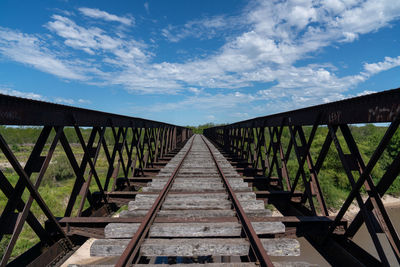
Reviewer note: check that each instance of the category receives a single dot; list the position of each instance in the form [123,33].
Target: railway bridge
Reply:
[244,194]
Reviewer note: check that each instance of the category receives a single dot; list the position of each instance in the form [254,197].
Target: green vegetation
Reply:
[59,178]
[199,129]
[60,170]
[16,136]
[334,182]
[57,183]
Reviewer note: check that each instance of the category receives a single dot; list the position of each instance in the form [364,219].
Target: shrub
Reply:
[60,169]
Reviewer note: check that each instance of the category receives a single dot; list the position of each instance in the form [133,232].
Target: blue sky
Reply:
[192,62]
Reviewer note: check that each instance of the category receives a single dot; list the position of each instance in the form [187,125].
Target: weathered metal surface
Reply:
[256,145]
[148,142]
[257,148]
[27,112]
[378,107]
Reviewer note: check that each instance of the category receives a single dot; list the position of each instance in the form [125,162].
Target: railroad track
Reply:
[197,210]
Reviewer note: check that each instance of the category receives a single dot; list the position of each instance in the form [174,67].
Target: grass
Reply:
[55,189]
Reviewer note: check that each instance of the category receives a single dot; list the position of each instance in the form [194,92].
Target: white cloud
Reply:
[93,40]
[366,92]
[205,101]
[195,90]
[388,63]
[296,88]
[61,100]
[84,101]
[35,96]
[30,50]
[146,7]
[263,44]
[205,28]
[99,14]
[29,95]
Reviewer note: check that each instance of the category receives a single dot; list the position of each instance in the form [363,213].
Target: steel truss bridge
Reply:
[195,199]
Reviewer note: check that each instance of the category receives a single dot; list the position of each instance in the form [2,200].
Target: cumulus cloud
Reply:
[31,50]
[99,14]
[264,44]
[93,40]
[388,63]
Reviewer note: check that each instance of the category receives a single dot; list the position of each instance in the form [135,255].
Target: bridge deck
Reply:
[197,222]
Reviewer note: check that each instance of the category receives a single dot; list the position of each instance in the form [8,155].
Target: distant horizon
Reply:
[193,62]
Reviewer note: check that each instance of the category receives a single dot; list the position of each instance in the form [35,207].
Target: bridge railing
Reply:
[265,146]
[136,146]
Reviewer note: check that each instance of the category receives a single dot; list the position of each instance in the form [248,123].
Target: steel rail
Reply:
[255,242]
[132,249]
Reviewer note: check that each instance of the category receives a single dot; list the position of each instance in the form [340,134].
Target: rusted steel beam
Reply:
[372,162]
[237,138]
[21,111]
[29,185]
[25,112]
[14,194]
[383,185]
[24,214]
[373,108]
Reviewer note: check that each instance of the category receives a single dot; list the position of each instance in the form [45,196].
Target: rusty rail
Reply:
[256,246]
[257,146]
[136,148]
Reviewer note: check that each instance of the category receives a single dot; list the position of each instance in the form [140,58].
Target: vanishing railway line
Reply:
[205,209]
[199,199]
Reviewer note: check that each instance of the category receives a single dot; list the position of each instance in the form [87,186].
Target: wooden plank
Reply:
[221,229]
[196,247]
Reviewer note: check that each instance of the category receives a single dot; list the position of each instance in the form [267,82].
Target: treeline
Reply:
[200,128]
[29,135]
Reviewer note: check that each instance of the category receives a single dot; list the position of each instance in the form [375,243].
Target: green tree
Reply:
[394,145]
